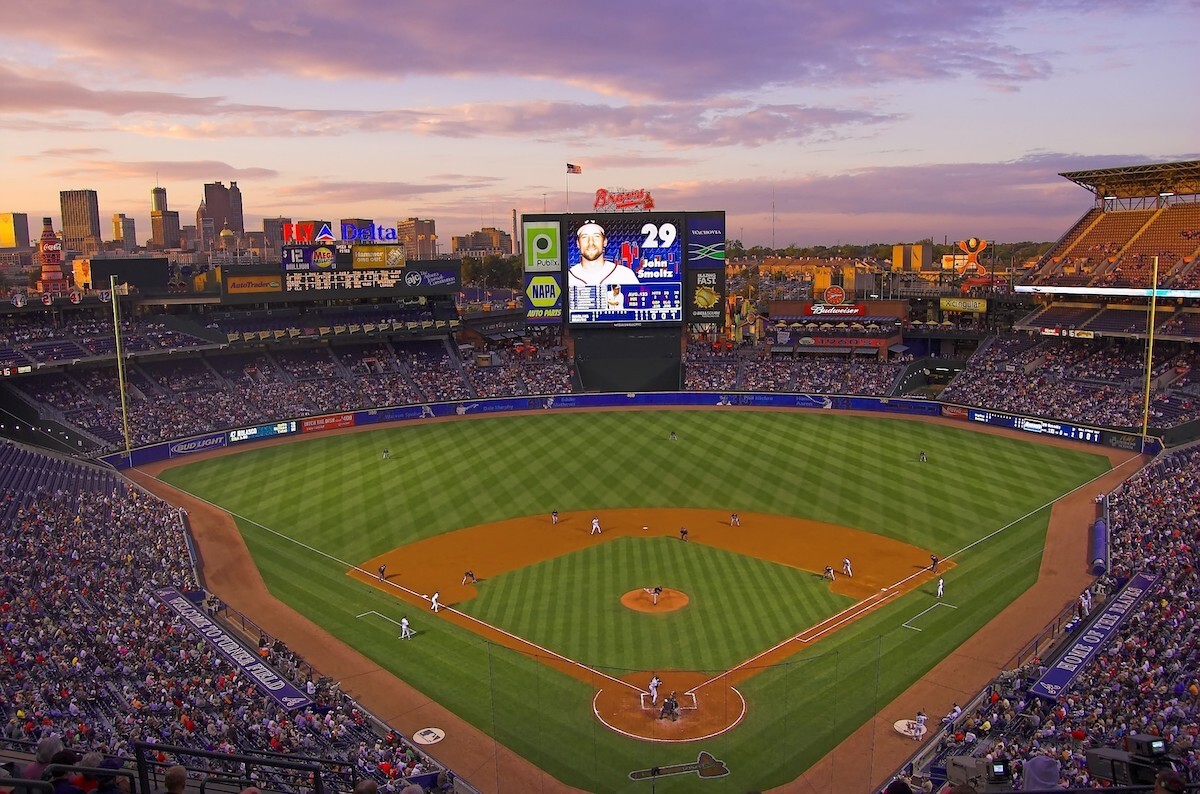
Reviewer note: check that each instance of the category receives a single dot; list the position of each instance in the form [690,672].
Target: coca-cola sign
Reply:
[50,246]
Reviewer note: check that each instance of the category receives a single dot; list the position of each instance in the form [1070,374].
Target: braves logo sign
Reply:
[621,200]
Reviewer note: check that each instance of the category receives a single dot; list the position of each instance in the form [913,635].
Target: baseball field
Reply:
[549,651]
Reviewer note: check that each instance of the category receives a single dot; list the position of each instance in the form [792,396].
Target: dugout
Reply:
[628,359]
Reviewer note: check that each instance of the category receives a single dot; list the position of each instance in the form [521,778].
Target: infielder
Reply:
[405,632]
[595,526]
[654,593]
[941,587]
[735,520]
[433,602]
[828,573]
[846,569]
[553,516]
[655,683]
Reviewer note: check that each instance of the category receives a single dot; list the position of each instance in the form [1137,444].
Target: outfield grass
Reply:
[336,496]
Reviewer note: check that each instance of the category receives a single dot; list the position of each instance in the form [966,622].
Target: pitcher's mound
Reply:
[668,600]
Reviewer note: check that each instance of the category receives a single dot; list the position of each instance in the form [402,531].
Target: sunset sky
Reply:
[857,122]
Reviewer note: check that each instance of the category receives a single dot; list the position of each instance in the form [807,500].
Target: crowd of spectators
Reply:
[93,661]
[1071,380]
[1148,679]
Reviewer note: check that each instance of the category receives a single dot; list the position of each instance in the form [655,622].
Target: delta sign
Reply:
[544,294]
[312,233]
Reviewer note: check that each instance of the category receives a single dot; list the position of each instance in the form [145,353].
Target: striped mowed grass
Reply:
[310,508]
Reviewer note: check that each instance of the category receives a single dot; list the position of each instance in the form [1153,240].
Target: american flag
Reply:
[574,169]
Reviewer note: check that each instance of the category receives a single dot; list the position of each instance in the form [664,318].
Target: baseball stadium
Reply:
[669,521]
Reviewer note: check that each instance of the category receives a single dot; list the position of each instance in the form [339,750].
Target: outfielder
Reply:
[595,526]
[655,683]
[433,602]
[405,631]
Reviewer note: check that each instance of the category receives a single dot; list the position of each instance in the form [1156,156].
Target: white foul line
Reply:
[922,612]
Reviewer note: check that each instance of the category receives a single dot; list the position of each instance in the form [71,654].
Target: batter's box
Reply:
[682,701]
[923,611]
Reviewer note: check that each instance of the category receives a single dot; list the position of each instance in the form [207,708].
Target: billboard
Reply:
[315,257]
[706,296]
[543,298]
[245,285]
[625,268]
[543,246]
[369,257]
[706,240]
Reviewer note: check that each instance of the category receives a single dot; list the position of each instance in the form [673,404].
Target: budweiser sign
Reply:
[841,310]
[621,200]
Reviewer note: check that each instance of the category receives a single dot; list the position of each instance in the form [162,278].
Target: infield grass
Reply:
[337,497]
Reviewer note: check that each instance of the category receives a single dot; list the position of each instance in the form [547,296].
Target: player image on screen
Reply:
[594,268]
[625,268]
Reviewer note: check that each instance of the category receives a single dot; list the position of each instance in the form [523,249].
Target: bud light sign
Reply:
[192,445]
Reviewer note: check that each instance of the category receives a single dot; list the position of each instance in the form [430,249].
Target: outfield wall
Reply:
[375,416]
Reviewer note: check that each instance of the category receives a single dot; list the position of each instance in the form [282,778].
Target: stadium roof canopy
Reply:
[1140,181]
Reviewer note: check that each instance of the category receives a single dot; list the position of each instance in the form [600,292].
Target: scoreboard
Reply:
[625,268]
[343,270]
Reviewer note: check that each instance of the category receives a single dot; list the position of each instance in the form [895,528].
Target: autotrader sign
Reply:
[1098,635]
[543,298]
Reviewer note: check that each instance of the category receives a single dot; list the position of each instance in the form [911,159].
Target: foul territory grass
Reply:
[338,498]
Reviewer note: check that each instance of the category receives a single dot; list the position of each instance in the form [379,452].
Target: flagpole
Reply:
[568,190]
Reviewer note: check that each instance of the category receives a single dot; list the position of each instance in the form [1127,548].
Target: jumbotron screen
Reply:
[624,268]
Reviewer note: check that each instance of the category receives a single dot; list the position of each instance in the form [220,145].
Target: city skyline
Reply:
[807,123]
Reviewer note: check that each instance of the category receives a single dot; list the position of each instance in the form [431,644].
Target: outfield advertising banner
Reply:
[543,298]
[190,446]
[706,240]
[1096,636]
[252,667]
[543,246]
[1041,426]
[328,422]
[706,296]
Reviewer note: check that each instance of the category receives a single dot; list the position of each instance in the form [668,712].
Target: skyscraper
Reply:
[124,232]
[419,238]
[206,230]
[14,230]
[164,223]
[81,220]
[224,205]
[273,231]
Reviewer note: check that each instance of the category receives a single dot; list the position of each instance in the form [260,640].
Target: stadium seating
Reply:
[91,657]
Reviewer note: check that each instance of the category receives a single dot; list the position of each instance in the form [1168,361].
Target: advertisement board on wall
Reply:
[333,256]
[435,277]
[246,285]
[369,257]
